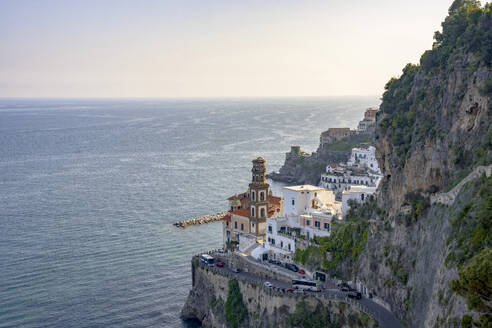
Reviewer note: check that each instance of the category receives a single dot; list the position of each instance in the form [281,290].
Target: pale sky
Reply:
[209,48]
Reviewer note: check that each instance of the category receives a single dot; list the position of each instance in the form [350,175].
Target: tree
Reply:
[235,310]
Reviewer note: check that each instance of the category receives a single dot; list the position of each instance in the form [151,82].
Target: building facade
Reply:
[334,134]
[358,194]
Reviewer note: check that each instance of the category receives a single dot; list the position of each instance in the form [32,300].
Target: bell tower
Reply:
[258,189]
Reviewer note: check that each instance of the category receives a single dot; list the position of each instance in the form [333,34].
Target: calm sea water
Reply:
[89,191]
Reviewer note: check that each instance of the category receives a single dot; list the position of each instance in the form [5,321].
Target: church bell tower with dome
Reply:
[259,193]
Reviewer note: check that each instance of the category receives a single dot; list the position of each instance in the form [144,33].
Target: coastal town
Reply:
[268,227]
[263,232]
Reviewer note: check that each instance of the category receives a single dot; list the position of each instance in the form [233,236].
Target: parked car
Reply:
[235,270]
[301,271]
[220,264]
[268,284]
[291,267]
[289,290]
[354,294]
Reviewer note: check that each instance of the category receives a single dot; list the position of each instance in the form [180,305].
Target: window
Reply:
[281,244]
[327,226]
[232,208]
[262,212]
[227,223]
[288,246]
[362,196]
[272,241]
[235,224]
[308,222]
[293,202]
[253,195]
[252,211]
[315,194]
[317,224]
[242,226]
[270,229]
[262,195]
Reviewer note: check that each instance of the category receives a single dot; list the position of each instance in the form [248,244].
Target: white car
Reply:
[268,284]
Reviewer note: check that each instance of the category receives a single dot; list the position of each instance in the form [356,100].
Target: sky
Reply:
[210,48]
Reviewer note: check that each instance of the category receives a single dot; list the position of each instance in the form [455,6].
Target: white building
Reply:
[302,199]
[340,177]
[364,157]
[308,212]
[357,194]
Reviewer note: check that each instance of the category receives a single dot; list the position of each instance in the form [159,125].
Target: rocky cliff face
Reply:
[265,307]
[434,127]
[301,168]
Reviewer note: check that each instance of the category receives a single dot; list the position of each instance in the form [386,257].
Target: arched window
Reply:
[262,212]
[252,211]
[252,195]
[262,195]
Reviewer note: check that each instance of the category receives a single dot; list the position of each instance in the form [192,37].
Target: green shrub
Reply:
[466,321]
[235,309]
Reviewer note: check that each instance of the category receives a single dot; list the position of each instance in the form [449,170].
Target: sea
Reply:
[90,188]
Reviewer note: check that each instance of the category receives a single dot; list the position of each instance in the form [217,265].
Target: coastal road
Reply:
[385,318]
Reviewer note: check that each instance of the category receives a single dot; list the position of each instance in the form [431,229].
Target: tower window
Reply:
[262,195]
[262,212]
[253,195]
[293,202]
[252,211]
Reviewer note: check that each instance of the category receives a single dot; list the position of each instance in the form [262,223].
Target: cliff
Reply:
[210,298]
[301,168]
[434,129]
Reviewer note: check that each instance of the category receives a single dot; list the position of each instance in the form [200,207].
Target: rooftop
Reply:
[304,188]
[359,189]
[241,212]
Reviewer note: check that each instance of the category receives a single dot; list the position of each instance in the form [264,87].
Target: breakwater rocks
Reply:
[200,220]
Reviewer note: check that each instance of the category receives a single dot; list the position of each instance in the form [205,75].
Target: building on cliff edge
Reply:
[248,211]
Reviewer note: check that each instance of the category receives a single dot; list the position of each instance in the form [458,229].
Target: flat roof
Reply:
[304,188]
[359,189]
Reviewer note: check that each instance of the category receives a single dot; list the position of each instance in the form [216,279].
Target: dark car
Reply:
[235,270]
[291,267]
[354,294]
[220,264]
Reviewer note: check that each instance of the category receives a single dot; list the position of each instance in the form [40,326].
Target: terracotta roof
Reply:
[241,212]
[274,200]
[227,218]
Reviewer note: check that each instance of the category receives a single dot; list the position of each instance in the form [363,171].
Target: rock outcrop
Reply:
[302,168]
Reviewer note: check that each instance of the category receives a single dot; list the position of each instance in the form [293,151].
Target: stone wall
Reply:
[266,307]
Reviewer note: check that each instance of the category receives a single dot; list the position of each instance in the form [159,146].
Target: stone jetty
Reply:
[201,220]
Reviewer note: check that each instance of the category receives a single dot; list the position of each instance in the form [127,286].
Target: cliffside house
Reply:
[368,123]
[358,194]
[339,177]
[248,211]
[334,134]
[364,157]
